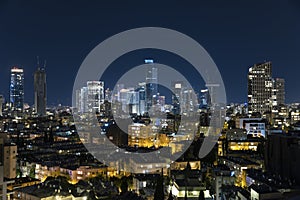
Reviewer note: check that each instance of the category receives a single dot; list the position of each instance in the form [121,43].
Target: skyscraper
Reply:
[204,99]
[260,88]
[17,89]
[77,99]
[83,107]
[151,84]
[188,102]
[142,99]
[2,100]
[95,95]
[177,96]
[279,88]
[40,91]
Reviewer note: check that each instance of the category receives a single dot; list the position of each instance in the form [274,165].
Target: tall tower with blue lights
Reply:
[151,84]
[17,89]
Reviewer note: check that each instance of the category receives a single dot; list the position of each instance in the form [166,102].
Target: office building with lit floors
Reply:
[278,91]
[264,92]
[151,83]
[177,95]
[17,89]
[95,95]
[260,88]
[140,135]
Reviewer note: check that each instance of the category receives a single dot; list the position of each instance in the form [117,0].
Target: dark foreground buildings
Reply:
[282,156]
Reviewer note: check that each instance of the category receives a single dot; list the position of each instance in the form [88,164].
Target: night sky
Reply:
[236,34]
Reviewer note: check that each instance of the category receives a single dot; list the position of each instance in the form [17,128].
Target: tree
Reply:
[18,173]
[32,172]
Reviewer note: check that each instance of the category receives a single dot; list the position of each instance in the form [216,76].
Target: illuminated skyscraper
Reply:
[83,95]
[17,88]
[95,95]
[279,87]
[77,99]
[129,100]
[204,99]
[188,102]
[40,91]
[264,92]
[142,99]
[177,96]
[151,84]
[260,88]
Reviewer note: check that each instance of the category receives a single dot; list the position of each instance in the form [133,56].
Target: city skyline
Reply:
[277,23]
[156,100]
[164,91]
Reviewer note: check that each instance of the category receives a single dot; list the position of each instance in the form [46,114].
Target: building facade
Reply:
[3,185]
[17,89]
[95,95]
[260,88]
[264,92]
[151,83]
[40,91]
[10,161]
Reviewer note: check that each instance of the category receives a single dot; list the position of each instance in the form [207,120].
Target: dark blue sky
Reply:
[236,33]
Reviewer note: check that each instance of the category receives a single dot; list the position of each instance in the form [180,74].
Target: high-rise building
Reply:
[108,95]
[151,83]
[17,89]
[116,92]
[142,98]
[83,100]
[77,99]
[264,92]
[260,88]
[204,99]
[90,98]
[177,96]
[188,102]
[279,87]
[129,100]
[161,102]
[40,91]
[2,100]
[95,95]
